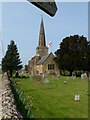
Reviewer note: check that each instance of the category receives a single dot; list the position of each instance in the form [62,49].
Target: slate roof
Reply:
[43,59]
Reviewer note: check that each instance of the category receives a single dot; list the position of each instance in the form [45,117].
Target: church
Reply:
[43,62]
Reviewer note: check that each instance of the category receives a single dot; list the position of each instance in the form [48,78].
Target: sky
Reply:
[21,23]
[0,31]
[89,20]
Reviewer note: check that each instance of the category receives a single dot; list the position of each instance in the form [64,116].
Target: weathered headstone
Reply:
[82,76]
[58,76]
[65,82]
[46,81]
[74,76]
[67,78]
[85,76]
[43,75]
[37,78]
[77,97]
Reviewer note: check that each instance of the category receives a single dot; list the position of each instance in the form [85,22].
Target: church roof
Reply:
[43,59]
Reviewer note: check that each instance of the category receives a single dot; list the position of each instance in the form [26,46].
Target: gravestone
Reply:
[37,78]
[85,76]
[46,81]
[58,75]
[73,76]
[82,76]
[77,97]
[67,78]
[65,82]
[43,75]
[89,76]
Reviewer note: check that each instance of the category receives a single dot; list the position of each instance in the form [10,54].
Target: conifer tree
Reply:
[11,61]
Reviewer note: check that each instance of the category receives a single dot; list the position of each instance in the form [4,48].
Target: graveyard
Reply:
[53,97]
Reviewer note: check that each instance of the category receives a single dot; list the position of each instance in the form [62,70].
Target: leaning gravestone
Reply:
[37,78]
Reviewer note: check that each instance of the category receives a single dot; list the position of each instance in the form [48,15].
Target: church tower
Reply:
[41,49]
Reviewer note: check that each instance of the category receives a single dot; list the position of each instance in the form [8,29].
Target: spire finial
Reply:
[41,20]
[41,16]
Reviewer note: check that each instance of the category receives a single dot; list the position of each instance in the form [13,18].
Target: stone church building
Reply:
[42,62]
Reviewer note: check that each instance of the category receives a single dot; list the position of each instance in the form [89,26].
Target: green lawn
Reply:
[56,99]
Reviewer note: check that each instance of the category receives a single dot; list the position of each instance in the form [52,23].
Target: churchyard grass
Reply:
[56,99]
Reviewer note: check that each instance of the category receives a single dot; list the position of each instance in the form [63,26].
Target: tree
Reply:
[11,61]
[88,57]
[72,54]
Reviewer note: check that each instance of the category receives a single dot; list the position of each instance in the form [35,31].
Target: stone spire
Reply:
[42,49]
[42,41]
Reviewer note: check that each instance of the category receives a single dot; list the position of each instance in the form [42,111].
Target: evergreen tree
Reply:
[11,61]
[73,54]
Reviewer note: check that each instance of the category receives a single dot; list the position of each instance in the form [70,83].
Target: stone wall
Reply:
[9,109]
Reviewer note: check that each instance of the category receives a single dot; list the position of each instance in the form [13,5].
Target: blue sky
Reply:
[89,20]
[21,23]
[0,31]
